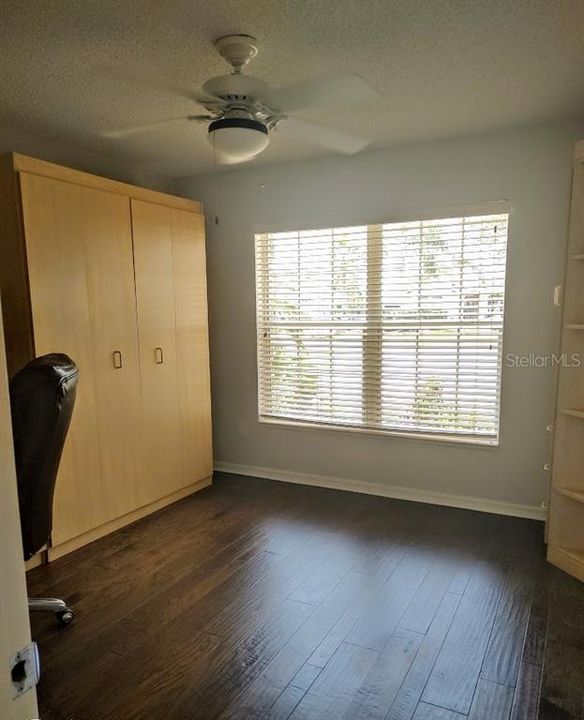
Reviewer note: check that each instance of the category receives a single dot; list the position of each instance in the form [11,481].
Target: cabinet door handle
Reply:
[117,357]
[158,356]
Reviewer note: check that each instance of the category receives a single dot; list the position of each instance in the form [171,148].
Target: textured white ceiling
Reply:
[443,67]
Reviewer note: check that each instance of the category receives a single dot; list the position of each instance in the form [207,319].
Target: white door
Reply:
[14,622]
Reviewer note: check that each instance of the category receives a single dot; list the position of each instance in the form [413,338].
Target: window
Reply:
[395,327]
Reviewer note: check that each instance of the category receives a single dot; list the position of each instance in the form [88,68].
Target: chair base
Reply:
[62,611]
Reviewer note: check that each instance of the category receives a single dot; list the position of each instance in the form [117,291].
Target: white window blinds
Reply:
[395,327]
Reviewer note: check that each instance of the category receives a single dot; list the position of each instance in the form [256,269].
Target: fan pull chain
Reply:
[215,189]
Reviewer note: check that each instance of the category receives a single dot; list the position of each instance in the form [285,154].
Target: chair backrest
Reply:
[42,396]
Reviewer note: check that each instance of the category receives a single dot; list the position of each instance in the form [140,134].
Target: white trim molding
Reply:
[396,492]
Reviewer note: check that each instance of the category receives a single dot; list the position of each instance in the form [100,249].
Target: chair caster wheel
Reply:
[65,617]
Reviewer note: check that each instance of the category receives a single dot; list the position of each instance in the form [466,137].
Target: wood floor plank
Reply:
[171,666]
[453,680]
[324,578]
[205,523]
[293,693]
[408,697]
[526,698]
[247,609]
[263,692]
[306,676]
[181,682]
[491,701]
[426,711]
[62,700]
[331,694]
[287,577]
[135,590]
[285,704]
[383,610]
[387,558]
[381,685]
[208,590]
[533,648]
[130,539]
[185,605]
[382,568]
[380,559]
[505,649]
[427,600]
[462,573]
[179,608]
[208,698]
[185,667]
[562,687]
[162,633]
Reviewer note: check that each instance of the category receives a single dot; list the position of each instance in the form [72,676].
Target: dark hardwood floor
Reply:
[256,599]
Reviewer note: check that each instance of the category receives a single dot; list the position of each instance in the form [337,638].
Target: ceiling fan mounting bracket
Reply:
[237,50]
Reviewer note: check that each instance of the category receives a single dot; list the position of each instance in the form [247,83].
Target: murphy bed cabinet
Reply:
[566,509]
[114,276]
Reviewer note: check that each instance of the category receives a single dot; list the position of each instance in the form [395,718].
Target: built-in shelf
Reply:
[565,531]
[574,553]
[572,413]
[569,559]
[577,495]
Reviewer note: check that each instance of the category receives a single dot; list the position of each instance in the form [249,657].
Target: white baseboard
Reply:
[390,491]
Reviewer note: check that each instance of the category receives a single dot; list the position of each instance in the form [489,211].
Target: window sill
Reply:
[486,442]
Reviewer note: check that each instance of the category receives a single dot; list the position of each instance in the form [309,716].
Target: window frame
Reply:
[440,436]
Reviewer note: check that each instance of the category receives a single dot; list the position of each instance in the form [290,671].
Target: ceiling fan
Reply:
[243,110]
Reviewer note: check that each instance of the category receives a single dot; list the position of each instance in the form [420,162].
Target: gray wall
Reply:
[116,166]
[531,168]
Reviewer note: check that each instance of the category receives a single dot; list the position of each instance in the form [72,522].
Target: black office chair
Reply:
[42,396]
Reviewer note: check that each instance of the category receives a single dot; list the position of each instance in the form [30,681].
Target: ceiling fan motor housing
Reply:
[240,87]
[240,122]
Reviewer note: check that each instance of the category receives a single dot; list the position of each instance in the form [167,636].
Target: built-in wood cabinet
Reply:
[114,276]
[566,511]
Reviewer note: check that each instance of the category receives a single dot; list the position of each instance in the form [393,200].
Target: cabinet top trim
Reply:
[23,163]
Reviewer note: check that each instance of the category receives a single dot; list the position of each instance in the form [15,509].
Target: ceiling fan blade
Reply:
[329,90]
[149,80]
[134,130]
[327,137]
[205,97]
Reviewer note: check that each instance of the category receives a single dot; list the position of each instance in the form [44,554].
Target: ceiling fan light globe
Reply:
[236,140]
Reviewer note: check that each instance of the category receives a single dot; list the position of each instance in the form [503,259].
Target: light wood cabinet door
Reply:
[171,293]
[114,329]
[192,342]
[153,263]
[79,255]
